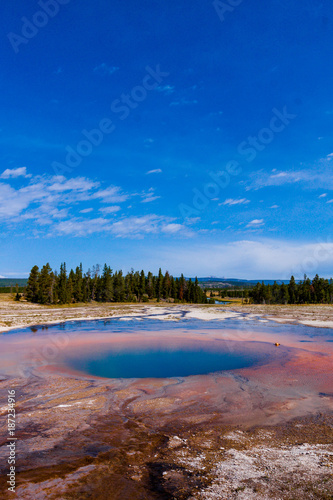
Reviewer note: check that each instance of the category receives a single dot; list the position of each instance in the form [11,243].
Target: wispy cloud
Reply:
[231,201]
[184,102]
[47,197]
[127,227]
[78,184]
[320,177]
[156,171]
[149,196]
[105,69]
[86,210]
[112,194]
[166,89]
[255,223]
[52,205]
[265,259]
[148,142]
[110,210]
[15,172]
[42,195]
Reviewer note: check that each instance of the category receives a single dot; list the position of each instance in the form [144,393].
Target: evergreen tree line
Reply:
[50,287]
[317,291]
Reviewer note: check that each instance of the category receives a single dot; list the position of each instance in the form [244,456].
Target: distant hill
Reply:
[212,282]
[4,282]
[209,282]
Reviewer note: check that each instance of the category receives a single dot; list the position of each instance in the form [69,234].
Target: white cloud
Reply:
[255,223]
[264,259]
[322,195]
[192,220]
[85,227]
[172,228]
[183,102]
[329,201]
[231,201]
[105,69]
[156,171]
[128,227]
[110,210]
[13,173]
[79,184]
[42,194]
[137,226]
[148,142]
[112,194]
[280,174]
[166,89]
[318,177]
[150,198]
[274,206]
[50,205]
[86,210]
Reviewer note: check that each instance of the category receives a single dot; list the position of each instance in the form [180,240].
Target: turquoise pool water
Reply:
[123,362]
[131,347]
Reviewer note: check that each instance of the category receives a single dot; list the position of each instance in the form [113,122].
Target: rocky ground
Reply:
[311,315]
[249,434]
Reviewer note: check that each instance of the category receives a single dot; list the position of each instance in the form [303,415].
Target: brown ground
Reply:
[256,433]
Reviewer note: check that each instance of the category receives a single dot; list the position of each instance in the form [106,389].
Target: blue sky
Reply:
[195,136]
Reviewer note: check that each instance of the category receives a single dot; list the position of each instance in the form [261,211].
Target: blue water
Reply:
[114,325]
[138,359]
[163,362]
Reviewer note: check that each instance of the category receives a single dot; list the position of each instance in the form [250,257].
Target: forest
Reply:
[316,291]
[46,286]
[306,291]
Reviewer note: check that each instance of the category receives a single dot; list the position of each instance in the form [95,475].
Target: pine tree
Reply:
[150,285]
[292,290]
[166,285]
[119,287]
[142,286]
[45,285]
[78,285]
[62,284]
[181,293]
[159,285]
[107,285]
[94,282]
[32,285]
[70,287]
[284,294]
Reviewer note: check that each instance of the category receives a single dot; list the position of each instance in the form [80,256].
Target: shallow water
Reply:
[140,347]
[127,324]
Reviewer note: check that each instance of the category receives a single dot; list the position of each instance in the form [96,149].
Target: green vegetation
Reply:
[10,289]
[317,291]
[47,287]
